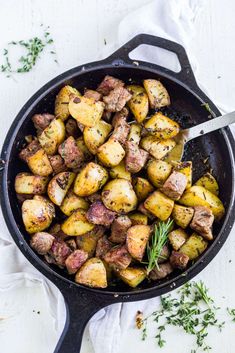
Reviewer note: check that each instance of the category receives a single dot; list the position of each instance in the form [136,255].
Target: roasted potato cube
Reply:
[177,238]
[182,215]
[88,241]
[157,148]
[158,172]
[111,153]
[82,146]
[95,136]
[186,169]
[62,101]
[136,240]
[157,93]
[142,188]
[91,178]
[59,186]
[199,196]
[134,133]
[138,218]
[209,183]
[194,246]
[92,274]
[86,110]
[162,127]
[159,205]
[72,202]
[132,276]
[139,103]
[26,183]
[52,136]
[37,214]
[118,195]
[120,172]
[39,163]
[77,224]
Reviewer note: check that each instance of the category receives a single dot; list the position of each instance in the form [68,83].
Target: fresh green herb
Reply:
[208,108]
[193,310]
[231,313]
[33,48]
[156,243]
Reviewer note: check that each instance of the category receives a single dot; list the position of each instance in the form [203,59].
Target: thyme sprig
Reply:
[156,244]
[193,310]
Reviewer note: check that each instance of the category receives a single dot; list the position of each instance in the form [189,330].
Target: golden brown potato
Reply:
[159,205]
[194,246]
[185,168]
[209,183]
[177,238]
[82,146]
[37,214]
[139,103]
[88,241]
[91,178]
[182,215]
[157,148]
[95,136]
[120,172]
[59,186]
[77,224]
[92,274]
[86,110]
[111,153]
[138,218]
[132,276]
[136,240]
[62,101]
[199,196]
[52,136]
[134,133]
[158,172]
[162,127]
[26,183]
[118,195]
[39,163]
[157,93]
[142,188]
[72,202]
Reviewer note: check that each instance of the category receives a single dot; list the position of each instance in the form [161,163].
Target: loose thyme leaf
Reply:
[156,243]
[231,313]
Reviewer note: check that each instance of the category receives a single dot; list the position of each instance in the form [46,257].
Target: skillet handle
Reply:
[186,74]
[80,307]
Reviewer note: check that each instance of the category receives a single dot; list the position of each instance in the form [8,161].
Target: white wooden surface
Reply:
[79,28]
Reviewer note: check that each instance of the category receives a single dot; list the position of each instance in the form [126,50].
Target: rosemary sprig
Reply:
[156,243]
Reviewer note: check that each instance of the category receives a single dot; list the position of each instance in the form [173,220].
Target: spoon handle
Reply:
[210,125]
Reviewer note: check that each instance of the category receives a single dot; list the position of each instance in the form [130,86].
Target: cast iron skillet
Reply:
[187,98]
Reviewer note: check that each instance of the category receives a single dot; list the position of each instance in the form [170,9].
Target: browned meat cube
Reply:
[41,121]
[72,244]
[90,93]
[108,84]
[42,242]
[121,128]
[175,185]
[179,260]
[71,154]
[123,113]
[59,252]
[71,128]
[164,255]
[116,99]
[99,214]
[57,164]
[119,228]
[29,150]
[143,210]
[202,221]
[56,231]
[75,260]
[102,247]
[164,270]
[118,257]
[107,116]
[93,197]
[135,157]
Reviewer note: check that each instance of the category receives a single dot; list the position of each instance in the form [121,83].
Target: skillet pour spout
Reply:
[217,148]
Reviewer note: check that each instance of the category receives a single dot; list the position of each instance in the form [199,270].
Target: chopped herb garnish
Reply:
[208,108]
[231,313]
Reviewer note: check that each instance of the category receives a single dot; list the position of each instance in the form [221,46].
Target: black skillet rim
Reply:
[171,284]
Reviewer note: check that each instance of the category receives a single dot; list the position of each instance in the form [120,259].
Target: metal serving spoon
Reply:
[187,135]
